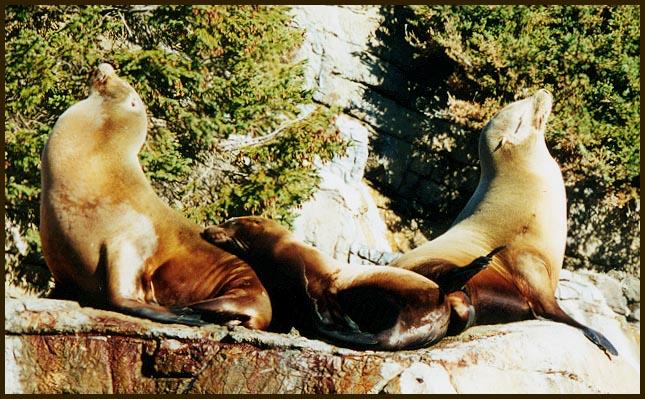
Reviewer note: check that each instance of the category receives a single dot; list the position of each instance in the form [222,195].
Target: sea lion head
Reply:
[517,129]
[246,236]
[123,109]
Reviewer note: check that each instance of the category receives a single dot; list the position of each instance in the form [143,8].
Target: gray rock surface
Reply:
[603,238]
[632,288]
[610,288]
[342,212]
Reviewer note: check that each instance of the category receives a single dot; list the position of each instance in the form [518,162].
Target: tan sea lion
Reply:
[107,236]
[375,307]
[520,202]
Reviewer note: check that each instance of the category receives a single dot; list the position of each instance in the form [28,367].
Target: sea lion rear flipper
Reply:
[600,340]
[452,278]
[459,277]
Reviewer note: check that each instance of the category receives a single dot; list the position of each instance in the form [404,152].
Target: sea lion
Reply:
[107,235]
[520,202]
[375,307]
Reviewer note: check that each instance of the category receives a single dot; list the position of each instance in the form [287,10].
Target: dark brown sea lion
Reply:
[520,202]
[107,236]
[374,307]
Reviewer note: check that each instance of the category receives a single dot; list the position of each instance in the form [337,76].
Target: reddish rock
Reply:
[58,347]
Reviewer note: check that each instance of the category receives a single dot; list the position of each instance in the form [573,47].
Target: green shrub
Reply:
[588,56]
[204,72]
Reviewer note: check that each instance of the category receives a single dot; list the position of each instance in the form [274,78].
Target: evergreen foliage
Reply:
[587,56]
[206,74]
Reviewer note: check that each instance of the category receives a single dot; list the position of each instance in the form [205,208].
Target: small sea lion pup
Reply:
[375,307]
[520,202]
[109,238]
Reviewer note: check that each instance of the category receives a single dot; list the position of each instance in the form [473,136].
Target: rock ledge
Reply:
[54,346]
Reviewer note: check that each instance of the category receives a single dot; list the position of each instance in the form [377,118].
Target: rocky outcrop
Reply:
[342,213]
[610,294]
[601,237]
[56,346]
[358,59]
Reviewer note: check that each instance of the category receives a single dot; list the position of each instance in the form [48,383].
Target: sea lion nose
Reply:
[543,99]
[102,73]
[543,93]
[105,69]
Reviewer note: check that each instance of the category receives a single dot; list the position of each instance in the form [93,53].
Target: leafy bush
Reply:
[587,56]
[206,74]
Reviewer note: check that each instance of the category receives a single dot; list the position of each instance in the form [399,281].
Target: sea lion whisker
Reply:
[518,127]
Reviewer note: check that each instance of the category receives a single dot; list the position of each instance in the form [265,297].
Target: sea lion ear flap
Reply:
[215,235]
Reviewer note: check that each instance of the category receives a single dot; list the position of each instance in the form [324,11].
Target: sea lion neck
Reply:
[297,256]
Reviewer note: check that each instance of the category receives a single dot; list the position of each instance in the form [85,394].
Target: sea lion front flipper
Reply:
[543,303]
[596,337]
[155,312]
[330,320]
[120,296]
[187,313]
[233,310]
[335,324]
[349,337]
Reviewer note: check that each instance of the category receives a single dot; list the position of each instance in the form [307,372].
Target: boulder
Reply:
[342,213]
[583,295]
